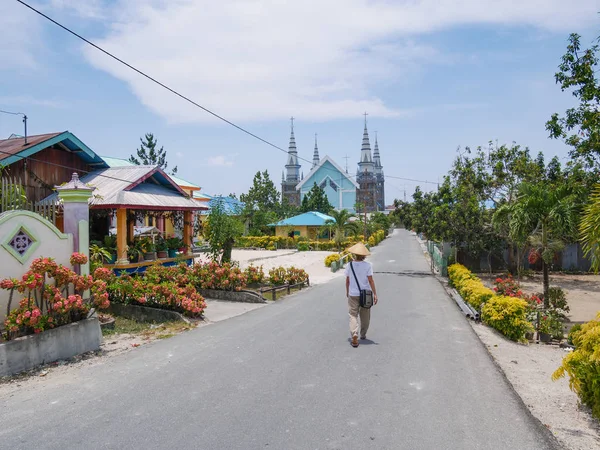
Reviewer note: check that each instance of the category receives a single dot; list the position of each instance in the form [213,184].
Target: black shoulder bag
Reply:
[366,296]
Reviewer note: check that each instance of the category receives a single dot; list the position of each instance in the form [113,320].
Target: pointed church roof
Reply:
[321,163]
[316,158]
[366,160]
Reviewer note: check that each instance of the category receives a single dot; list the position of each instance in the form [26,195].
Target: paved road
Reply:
[285,377]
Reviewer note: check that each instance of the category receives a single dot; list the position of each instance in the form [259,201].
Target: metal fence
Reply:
[12,197]
[439,263]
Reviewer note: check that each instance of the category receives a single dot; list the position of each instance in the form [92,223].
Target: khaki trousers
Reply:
[354,310]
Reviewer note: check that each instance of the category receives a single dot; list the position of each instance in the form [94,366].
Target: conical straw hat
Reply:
[359,249]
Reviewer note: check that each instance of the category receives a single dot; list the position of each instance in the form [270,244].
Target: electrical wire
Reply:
[13,113]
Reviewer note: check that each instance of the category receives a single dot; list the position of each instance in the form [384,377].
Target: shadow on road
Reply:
[364,342]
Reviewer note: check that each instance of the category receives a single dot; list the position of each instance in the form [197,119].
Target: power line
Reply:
[173,91]
[13,113]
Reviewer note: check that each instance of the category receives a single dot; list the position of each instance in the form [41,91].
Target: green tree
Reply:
[148,155]
[316,200]
[262,205]
[341,225]
[221,231]
[545,215]
[580,126]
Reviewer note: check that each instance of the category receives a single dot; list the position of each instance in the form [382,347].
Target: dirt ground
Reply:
[582,291]
[529,369]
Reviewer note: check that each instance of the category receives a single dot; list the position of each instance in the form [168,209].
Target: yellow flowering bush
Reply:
[331,258]
[583,365]
[508,315]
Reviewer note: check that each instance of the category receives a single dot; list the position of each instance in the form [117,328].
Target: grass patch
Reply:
[145,329]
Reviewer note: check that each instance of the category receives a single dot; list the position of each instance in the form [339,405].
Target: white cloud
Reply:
[220,160]
[19,43]
[268,59]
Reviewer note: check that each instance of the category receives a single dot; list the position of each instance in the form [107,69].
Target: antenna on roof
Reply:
[24,120]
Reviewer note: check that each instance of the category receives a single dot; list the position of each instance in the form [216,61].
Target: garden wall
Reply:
[52,345]
[25,236]
[233,296]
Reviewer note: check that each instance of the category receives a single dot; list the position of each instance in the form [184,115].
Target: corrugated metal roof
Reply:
[13,150]
[311,218]
[123,186]
[116,162]
[13,146]
[119,162]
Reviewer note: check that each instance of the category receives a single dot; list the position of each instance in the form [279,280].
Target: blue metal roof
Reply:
[231,206]
[311,219]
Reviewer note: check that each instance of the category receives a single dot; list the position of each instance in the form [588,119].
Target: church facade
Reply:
[366,189]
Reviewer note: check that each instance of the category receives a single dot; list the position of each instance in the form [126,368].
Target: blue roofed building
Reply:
[313,225]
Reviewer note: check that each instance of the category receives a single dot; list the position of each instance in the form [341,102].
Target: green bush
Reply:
[574,329]
[508,315]
[583,365]
[303,246]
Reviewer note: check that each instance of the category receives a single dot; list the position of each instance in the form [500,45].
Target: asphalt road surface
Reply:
[285,377]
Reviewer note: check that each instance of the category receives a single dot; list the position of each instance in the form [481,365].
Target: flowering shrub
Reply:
[331,258]
[224,276]
[277,276]
[508,315]
[51,296]
[508,287]
[170,288]
[469,286]
[583,365]
[254,275]
[534,256]
[295,276]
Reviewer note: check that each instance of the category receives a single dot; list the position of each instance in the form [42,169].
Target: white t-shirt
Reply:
[363,269]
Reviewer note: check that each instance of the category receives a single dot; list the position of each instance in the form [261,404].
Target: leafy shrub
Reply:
[371,241]
[294,275]
[226,276]
[303,246]
[469,286]
[170,288]
[583,365]
[508,315]
[508,287]
[277,276]
[557,299]
[254,275]
[331,258]
[574,329]
[550,323]
[51,296]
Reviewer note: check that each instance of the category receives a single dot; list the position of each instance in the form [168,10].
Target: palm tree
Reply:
[589,228]
[341,225]
[544,214]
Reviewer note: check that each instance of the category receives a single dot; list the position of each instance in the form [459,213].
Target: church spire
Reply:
[316,158]
[377,157]
[292,167]
[366,160]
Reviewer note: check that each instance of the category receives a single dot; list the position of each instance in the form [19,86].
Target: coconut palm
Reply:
[341,225]
[546,215]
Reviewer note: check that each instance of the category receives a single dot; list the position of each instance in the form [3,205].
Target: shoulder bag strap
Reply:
[355,278]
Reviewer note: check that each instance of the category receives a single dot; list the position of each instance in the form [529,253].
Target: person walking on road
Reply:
[359,276]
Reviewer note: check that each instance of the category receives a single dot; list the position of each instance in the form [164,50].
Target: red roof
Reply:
[9,147]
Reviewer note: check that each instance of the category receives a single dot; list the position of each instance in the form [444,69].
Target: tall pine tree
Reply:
[148,155]
[316,200]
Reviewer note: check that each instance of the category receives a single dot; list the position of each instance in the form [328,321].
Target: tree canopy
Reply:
[149,155]
[316,200]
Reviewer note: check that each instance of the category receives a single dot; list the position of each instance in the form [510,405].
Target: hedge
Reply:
[583,365]
[508,315]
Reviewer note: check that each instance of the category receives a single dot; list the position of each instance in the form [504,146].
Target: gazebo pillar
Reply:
[122,236]
[187,231]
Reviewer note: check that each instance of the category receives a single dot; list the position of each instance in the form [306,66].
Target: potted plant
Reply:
[162,249]
[173,244]
[550,327]
[149,249]
[110,244]
[135,251]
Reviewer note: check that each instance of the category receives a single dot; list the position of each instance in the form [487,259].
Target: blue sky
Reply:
[433,75]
